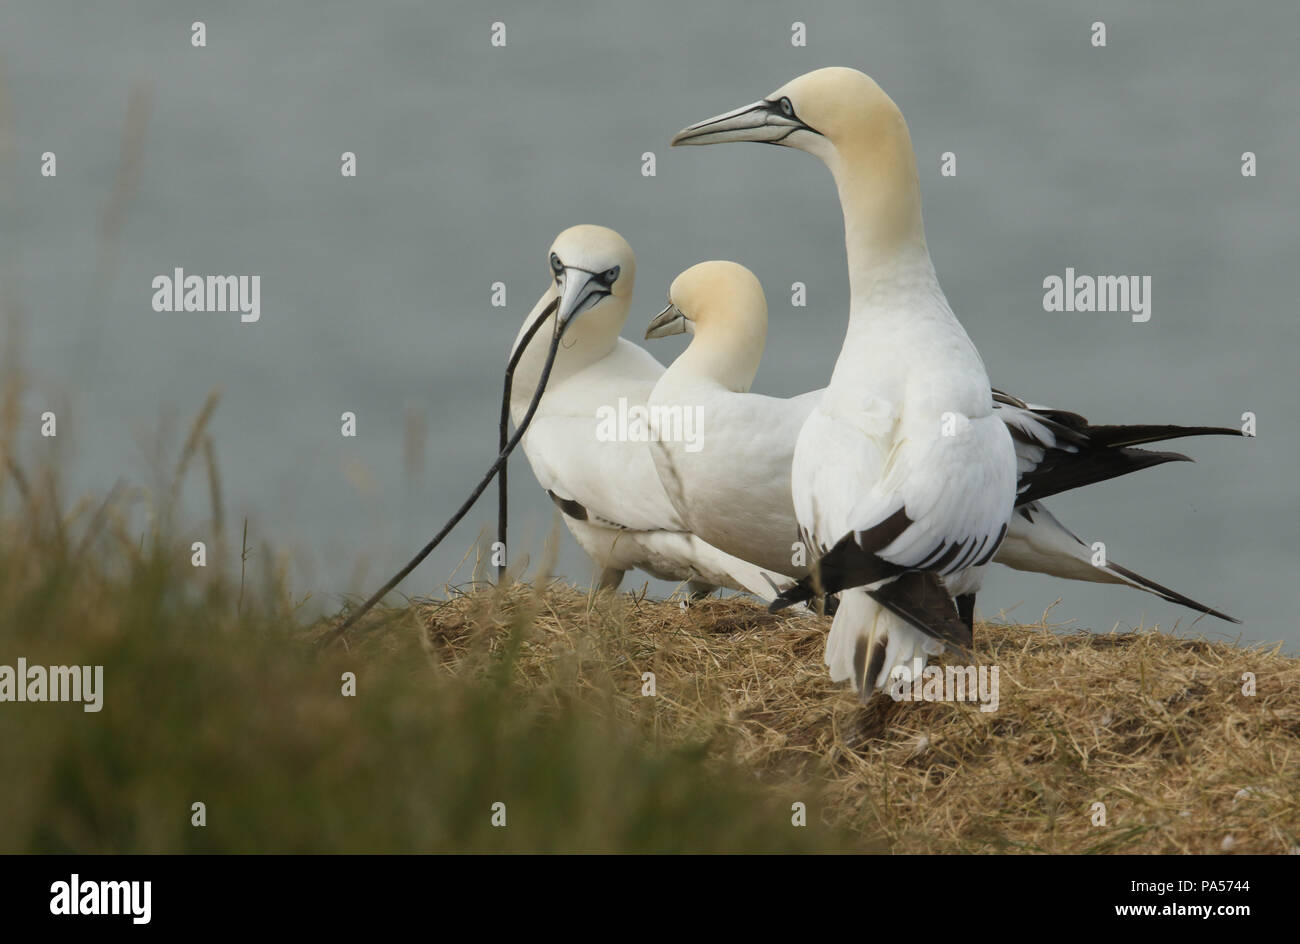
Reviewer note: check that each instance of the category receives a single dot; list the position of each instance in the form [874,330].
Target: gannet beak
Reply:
[579,290]
[764,121]
[668,322]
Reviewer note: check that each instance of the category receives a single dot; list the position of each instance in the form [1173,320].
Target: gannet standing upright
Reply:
[903,475]
[606,488]
[732,485]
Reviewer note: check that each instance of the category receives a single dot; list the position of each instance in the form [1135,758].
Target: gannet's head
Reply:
[816,112]
[723,305]
[590,264]
[844,118]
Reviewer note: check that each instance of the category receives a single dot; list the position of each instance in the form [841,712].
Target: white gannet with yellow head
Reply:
[605,485]
[902,477]
[731,485]
[733,479]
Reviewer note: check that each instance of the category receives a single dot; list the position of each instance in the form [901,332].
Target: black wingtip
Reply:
[801,592]
[1097,465]
[1170,596]
[920,598]
[1135,435]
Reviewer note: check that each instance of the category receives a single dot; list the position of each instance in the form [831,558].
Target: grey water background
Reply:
[375,290]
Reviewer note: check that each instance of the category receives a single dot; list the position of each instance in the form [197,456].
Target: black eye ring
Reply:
[609,275]
[787,109]
[556,264]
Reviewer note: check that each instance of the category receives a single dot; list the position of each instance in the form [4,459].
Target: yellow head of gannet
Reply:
[723,305]
[844,118]
[592,274]
[589,264]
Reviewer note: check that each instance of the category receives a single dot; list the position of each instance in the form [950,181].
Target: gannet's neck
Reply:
[724,357]
[590,337]
[880,195]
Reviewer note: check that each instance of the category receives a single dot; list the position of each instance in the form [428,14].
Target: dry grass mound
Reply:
[1155,727]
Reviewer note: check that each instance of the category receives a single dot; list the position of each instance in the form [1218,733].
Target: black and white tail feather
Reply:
[1057,450]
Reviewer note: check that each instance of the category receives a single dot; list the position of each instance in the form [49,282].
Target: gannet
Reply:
[904,478]
[902,474]
[607,491]
[734,490]
[735,482]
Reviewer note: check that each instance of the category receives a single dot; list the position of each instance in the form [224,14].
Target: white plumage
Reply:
[903,455]
[732,487]
[607,489]
[905,470]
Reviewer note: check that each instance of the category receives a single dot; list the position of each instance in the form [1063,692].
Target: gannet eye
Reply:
[609,275]
[786,108]
[556,265]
